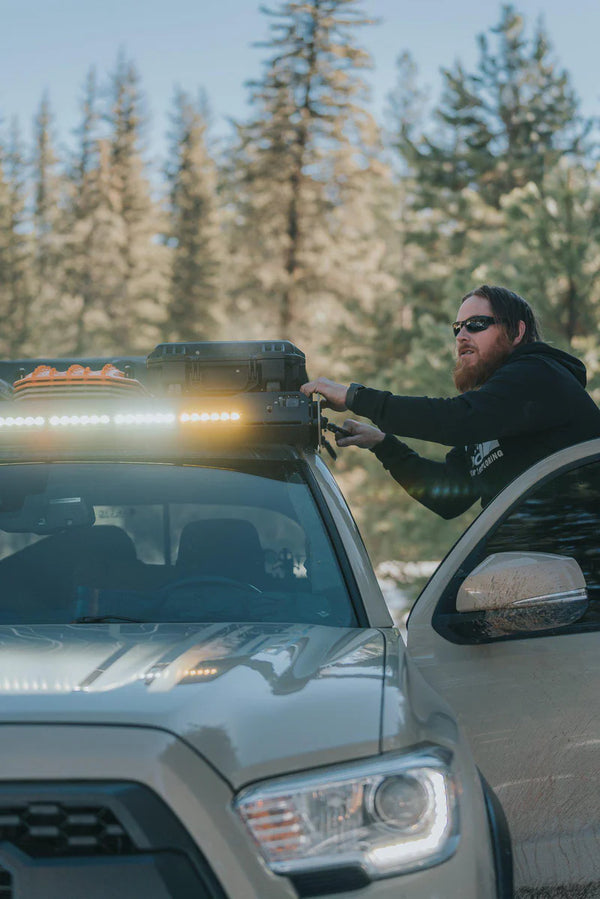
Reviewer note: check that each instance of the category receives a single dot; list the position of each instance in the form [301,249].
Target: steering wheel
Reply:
[202,580]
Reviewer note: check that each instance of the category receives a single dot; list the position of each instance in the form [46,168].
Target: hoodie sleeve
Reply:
[524,395]
[444,487]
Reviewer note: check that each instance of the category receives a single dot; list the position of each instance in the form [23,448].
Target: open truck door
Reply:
[507,630]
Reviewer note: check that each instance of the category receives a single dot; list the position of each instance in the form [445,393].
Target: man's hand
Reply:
[363,435]
[335,394]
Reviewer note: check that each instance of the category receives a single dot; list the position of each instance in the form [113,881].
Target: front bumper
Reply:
[164,826]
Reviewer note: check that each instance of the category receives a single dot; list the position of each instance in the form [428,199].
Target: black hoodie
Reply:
[533,405]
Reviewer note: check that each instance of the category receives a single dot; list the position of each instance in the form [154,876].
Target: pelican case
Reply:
[226,367]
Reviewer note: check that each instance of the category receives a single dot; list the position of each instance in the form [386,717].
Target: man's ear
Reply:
[521,333]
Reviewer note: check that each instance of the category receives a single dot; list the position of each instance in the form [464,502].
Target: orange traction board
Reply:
[77,380]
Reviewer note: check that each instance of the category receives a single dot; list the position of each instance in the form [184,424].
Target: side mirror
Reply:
[514,591]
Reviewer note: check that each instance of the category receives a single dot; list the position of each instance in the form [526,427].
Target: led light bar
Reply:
[120,418]
[180,426]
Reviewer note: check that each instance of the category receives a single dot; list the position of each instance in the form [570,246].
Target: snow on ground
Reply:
[395,579]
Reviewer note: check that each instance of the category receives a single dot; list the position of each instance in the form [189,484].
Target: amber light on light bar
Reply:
[209,416]
[200,672]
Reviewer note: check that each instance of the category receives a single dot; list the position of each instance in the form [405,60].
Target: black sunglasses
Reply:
[474,324]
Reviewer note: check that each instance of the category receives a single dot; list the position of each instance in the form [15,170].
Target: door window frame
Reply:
[466,553]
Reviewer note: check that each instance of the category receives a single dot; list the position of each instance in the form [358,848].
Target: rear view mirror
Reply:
[43,515]
[516,591]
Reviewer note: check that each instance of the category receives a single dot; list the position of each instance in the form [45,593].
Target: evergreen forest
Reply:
[351,237]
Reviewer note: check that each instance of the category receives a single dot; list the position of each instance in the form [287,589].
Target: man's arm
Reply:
[444,487]
[521,397]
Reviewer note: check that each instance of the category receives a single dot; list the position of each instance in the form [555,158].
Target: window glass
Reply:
[165,543]
[562,516]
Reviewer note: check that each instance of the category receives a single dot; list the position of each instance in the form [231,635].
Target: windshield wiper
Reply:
[102,619]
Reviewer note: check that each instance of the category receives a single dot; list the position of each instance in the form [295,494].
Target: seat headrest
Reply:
[214,545]
[108,539]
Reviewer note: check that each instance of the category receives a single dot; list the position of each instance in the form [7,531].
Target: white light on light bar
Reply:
[144,418]
[209,416]
[121,418]
[28,422]
[25,685]
[140,418]
[66,420]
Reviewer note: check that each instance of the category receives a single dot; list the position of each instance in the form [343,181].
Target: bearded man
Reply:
[520,400]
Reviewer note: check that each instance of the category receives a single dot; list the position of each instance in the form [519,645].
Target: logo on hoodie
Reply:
[483,455]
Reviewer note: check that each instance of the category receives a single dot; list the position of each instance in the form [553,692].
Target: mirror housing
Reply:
[523,591]
[43,515]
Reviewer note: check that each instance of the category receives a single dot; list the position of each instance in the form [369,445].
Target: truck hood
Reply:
[252,699]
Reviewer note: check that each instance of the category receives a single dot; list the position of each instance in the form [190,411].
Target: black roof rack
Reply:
[198,381]
[193,368]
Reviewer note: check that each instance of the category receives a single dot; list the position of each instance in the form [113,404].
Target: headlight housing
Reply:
[387,815]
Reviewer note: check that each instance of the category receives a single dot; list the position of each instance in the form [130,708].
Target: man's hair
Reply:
[509,308]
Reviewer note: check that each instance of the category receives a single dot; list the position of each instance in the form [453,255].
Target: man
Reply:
[520,400]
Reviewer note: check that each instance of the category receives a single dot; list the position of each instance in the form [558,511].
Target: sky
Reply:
[49,45]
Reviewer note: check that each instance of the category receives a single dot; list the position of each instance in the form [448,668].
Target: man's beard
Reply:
[472,375]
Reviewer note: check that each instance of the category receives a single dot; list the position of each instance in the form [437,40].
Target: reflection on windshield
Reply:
[114,542]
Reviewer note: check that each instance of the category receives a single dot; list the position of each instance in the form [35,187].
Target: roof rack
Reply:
[146,423]
[189,394]
[191,368]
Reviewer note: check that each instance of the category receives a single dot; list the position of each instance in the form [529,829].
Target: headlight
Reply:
[388,815]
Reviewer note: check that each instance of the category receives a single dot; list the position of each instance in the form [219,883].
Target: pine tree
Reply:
[137,308]
[194,233]
[406,104]
[549,246]
[94,270]
[49,238]
[46,192]
[6,238]
[297,163]
[83,282]
[503,126]
[15,251]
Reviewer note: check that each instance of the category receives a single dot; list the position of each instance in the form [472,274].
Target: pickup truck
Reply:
[202,693]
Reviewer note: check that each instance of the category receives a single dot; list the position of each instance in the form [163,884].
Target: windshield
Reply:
[152,542]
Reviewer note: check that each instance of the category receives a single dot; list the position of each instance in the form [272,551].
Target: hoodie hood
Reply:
[553,356]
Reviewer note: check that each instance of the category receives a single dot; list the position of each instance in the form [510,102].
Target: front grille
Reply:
[87,831]
[50,829]
[5,884]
